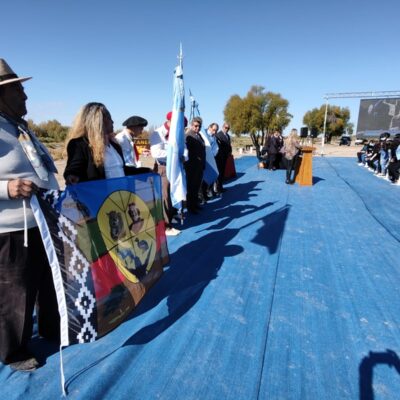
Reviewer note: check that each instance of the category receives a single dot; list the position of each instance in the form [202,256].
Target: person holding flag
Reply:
[210,174]
[176,151]
[158,149]
[25,278]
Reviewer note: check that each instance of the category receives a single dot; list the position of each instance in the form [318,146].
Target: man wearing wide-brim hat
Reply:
[133,127]
[25,275]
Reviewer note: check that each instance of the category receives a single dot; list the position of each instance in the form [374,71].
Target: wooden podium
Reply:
[304,176]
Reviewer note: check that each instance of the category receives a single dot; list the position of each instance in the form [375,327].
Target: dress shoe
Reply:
[29,365]
[23,361]
[172,232]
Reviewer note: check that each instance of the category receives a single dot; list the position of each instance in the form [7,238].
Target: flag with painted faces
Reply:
[106,245]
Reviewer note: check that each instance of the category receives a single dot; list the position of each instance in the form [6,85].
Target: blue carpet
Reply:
[274,292]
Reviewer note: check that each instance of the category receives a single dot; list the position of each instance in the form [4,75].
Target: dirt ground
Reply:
[328,150]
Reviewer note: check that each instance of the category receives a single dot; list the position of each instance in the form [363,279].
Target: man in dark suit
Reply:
[195,164]
[274,145]
[225,150]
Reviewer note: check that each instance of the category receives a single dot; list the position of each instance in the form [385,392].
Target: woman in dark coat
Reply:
[92,152]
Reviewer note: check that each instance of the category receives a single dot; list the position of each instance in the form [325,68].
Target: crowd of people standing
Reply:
[198,190]
[382,157]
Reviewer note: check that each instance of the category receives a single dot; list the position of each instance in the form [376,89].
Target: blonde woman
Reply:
[92,152]
[291,150]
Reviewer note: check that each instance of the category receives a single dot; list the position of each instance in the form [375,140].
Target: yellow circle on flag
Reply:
[129,233]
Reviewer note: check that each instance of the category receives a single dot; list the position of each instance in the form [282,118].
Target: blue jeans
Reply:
[384,161]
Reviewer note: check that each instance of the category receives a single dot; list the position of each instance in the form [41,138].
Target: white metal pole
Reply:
[323,135]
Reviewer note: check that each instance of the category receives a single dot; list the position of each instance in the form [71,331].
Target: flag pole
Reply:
[180,58]
[176,142]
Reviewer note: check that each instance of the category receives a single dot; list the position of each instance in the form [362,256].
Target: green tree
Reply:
[258,113]
[337,121]
[350,128]
[50,131]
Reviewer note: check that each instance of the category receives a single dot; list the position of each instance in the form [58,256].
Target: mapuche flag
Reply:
[105,241]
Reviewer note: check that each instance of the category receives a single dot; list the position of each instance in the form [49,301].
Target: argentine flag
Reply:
[210,173]
[176,143]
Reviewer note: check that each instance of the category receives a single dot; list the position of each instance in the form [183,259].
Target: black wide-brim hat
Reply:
[135,121]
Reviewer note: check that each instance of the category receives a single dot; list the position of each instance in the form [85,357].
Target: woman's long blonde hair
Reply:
[90,123]
[292,137]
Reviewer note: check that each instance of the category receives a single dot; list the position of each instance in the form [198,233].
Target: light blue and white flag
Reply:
[210,173]
[176,141]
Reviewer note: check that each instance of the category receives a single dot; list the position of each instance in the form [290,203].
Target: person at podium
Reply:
[291,149]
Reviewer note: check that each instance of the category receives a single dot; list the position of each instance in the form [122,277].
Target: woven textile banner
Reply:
[106,245]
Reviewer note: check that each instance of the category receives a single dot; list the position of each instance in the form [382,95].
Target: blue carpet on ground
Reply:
[274,292]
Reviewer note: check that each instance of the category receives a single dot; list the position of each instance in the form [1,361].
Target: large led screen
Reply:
[377,116]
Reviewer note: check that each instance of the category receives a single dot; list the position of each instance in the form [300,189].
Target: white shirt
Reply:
[127,144]
[159,144]
[113,163]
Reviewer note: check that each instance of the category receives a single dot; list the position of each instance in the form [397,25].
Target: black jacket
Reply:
[196,150]
[274,144]
[224,144]
[81,164]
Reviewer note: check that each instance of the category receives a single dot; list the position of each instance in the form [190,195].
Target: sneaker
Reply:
[29,365]
[360,163]
[172,232]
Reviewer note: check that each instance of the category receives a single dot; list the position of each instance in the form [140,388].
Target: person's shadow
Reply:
[366,370]
[184,282]
[270,234]
[225,209]
[224,216]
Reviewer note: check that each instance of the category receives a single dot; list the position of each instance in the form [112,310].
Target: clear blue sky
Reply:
[123,52]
